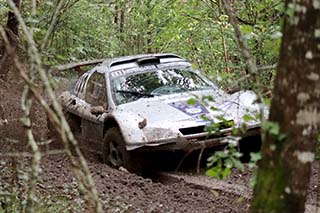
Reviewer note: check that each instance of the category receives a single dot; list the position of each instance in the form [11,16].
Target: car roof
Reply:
[125,62]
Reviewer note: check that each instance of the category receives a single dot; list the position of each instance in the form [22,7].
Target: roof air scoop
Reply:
[148,61]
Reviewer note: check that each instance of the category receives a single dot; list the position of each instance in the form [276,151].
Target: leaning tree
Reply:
[294,121]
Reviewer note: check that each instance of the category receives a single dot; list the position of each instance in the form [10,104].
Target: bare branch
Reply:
[36,156]
[268,67]
[252,67]
[53,24]
[249,59]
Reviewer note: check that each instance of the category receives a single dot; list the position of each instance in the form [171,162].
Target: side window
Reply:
[80,84]
[76,88]
[83,83]
[96,90]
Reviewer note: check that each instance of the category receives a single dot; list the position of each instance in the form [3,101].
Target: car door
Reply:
[96,98]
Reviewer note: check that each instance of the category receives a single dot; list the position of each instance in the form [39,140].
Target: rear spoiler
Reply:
[76,66]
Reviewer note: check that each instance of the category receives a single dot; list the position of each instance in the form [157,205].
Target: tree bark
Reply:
[12,22]
[12,31]
[284,171]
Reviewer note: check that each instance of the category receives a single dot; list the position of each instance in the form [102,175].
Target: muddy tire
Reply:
[115,153]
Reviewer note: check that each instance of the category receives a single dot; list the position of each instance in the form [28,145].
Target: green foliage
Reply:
[207,98]
[75,40]
[254,158]
[3,11]
[215,126]
[248,118]
[197,30]
[318,147]
[253,164]
[267,102]
[220,164]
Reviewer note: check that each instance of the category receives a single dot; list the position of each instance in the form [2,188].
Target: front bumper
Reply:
[197,141]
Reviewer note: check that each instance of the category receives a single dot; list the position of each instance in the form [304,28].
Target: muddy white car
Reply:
[133,104]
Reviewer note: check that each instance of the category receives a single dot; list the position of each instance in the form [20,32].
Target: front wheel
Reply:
[115,153]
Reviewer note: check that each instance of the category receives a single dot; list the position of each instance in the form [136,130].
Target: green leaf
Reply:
[212,160]
[191,101]
[218,172]
[222,154]
[271,127]
[205,118]
[225,173]
[221,118]
[237,163]
[235,131]
[253,181]
[291,9]
[228,163]
[248,118]
[280,7]
[237,154]
[252,165]
[245,29]
[207,97]
[214,108]
[255,156]
[282,137]
[267,101]
[212,172]
[213,127]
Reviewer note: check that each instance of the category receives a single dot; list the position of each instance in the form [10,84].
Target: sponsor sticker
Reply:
[195,110]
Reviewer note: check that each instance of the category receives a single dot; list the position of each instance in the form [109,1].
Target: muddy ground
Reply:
[119,190]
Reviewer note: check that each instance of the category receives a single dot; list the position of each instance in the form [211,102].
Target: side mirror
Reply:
[230,90]
[98,110]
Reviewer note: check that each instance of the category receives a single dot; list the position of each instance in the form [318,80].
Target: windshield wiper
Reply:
[139,94]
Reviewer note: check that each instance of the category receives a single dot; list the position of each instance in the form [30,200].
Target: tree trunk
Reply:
[283,174]
[12,31]
[12,22]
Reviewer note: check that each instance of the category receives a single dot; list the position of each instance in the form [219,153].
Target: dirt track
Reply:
[122,191]
[119,190]
[137,193]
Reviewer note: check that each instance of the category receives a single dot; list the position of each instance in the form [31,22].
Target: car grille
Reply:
[201,129]
[192,130]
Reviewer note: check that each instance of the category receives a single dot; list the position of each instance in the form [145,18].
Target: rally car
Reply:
[154,102]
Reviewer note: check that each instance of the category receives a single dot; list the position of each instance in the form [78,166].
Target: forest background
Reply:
[197,30]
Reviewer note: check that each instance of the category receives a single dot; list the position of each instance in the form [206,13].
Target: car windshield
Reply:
[130,86]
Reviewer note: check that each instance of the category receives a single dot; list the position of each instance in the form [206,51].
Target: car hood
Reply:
[173,109]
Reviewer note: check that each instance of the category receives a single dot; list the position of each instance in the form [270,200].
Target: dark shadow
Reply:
[249,144]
